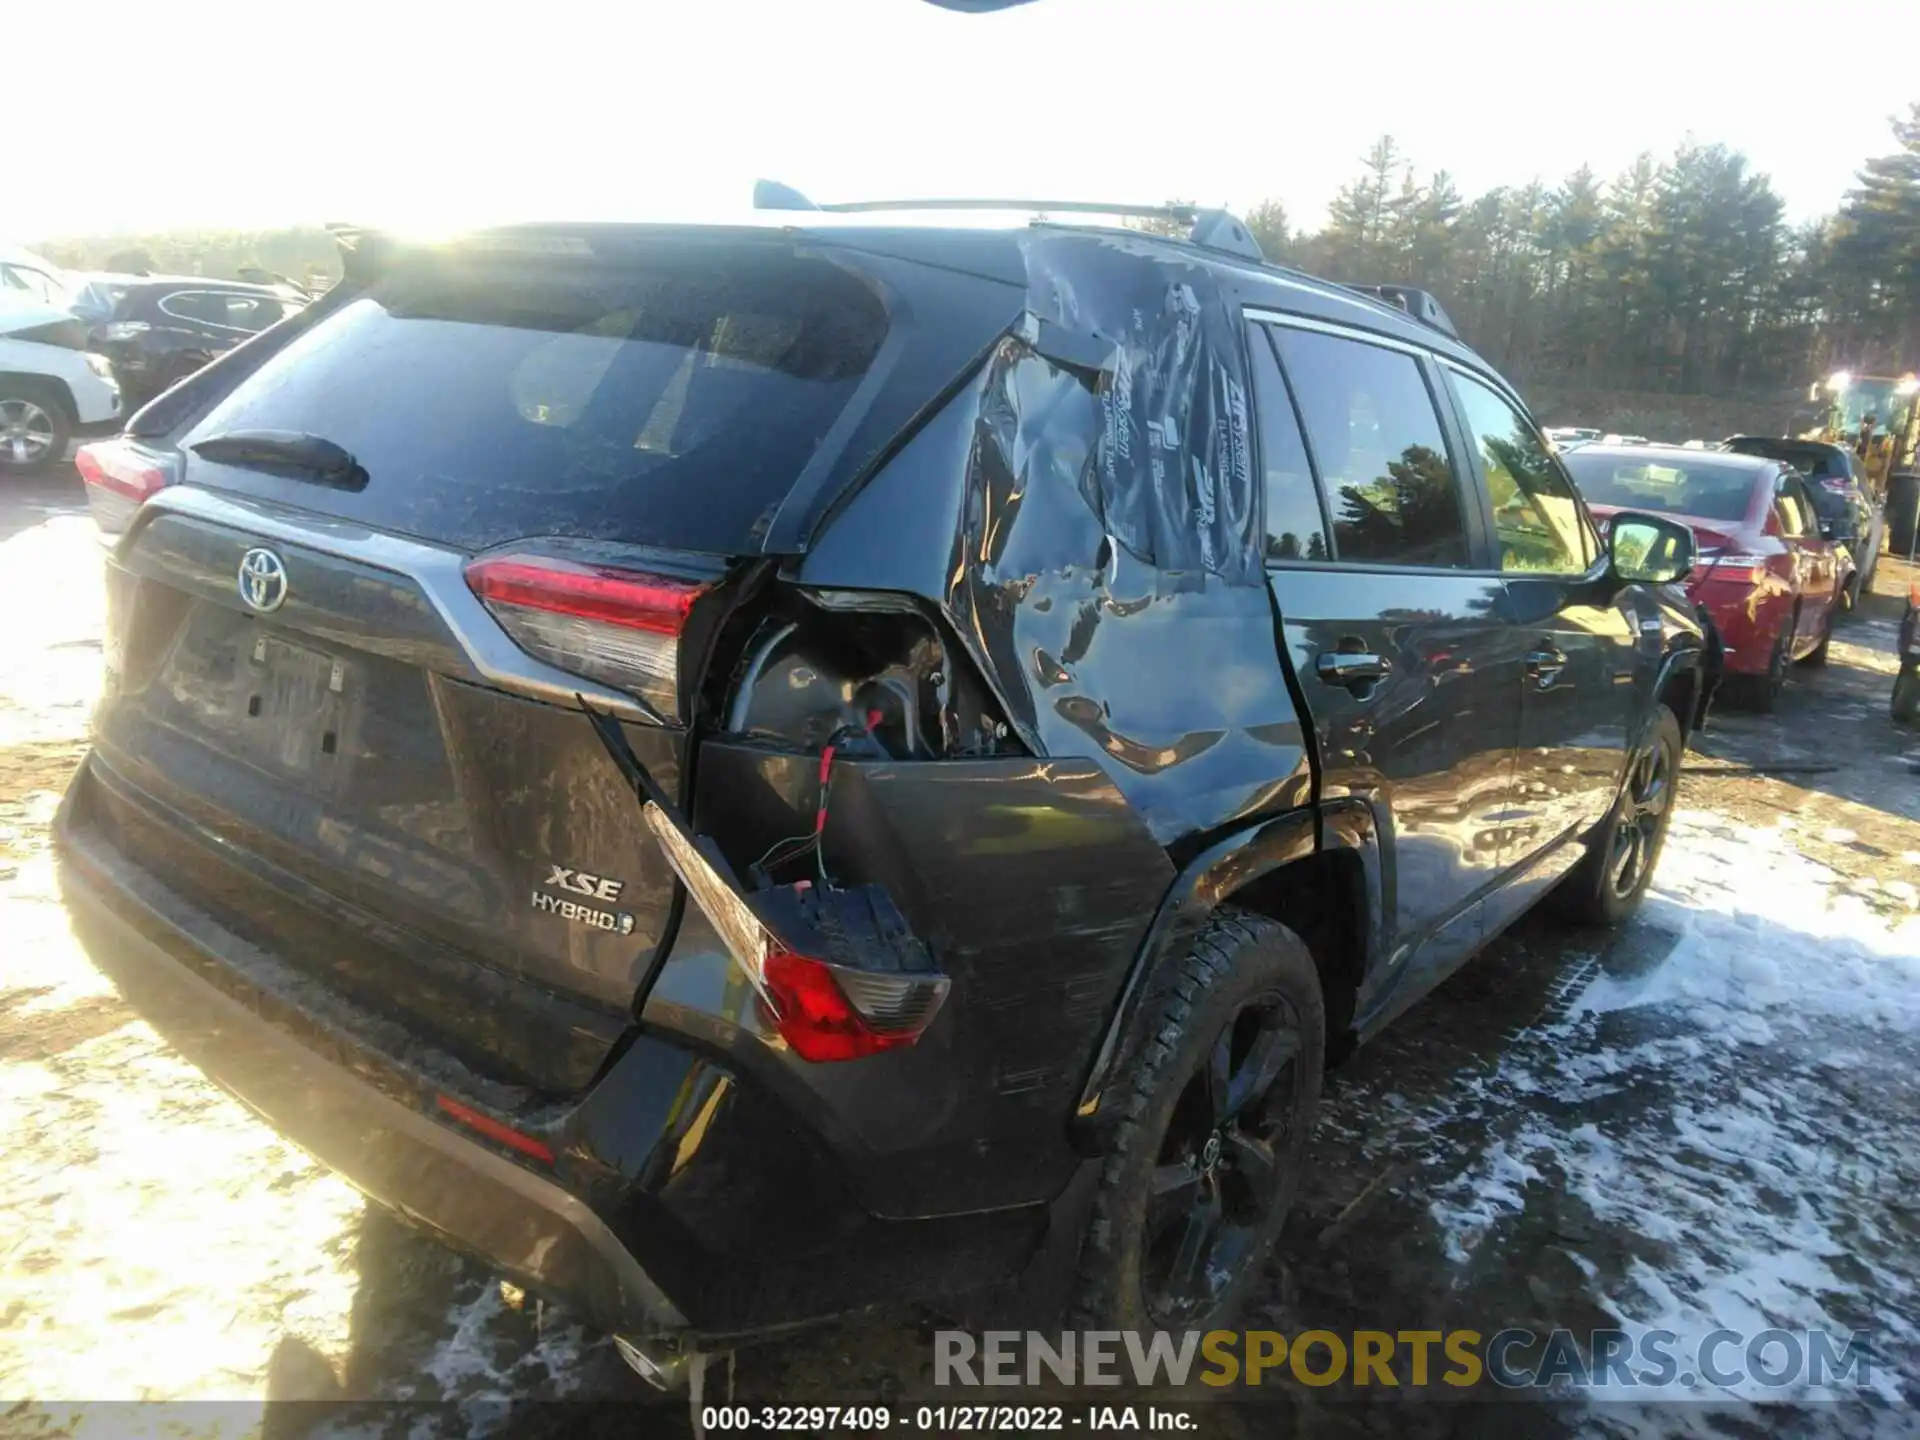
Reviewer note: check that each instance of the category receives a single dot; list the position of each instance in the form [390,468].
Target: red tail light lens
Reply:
[121,477]
[825,1012]
[620,627]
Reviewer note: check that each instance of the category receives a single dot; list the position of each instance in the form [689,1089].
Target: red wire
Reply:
[826,771]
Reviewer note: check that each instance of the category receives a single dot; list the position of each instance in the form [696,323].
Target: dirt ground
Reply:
[1705,1120]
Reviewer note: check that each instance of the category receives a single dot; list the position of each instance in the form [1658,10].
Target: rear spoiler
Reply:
[1418,303]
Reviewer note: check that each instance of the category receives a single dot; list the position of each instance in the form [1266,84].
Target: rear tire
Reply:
[1762,692]
[1818,655]
[1608,884]
[34,428]
[1217,1105]
[1906,695]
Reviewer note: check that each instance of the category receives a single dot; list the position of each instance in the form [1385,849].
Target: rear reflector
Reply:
[121,477]
[494,1130]
[825,1012]
[620,627]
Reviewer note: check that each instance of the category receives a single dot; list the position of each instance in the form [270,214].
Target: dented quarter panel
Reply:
[1032,882]
[1104,562]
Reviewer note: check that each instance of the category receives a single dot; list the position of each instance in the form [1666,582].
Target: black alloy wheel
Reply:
[1219,1178]
[1641,823]
[1213,1108]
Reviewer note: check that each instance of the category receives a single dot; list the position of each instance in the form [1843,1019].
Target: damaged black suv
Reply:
[746,772]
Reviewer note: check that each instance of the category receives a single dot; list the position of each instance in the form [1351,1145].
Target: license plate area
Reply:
[293,709]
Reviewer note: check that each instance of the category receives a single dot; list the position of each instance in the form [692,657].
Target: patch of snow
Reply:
[1740,1114]
[1763,933]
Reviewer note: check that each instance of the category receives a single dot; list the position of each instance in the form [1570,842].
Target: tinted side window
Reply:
[249,312]
[1381,454]
[1295,530]
[19,277]
[1536,518]
[193,305]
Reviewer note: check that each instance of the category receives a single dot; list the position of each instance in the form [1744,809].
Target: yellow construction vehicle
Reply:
[1847,401]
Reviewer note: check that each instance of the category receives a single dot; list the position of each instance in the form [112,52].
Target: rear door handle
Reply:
[1351,668]
[1544,666]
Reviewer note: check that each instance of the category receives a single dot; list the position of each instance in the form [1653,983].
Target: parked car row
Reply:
[1770,570]
[80,352]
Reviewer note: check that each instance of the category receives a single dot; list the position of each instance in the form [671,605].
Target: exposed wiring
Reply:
[874,717]
[785,852]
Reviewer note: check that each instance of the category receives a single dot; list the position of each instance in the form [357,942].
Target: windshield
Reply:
[1879,398]
[1697,487]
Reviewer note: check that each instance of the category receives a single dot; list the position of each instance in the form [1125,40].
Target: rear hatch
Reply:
[336,731]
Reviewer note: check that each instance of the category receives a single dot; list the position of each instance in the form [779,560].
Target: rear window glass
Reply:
[670,400]
[1703,489]
[1815,461]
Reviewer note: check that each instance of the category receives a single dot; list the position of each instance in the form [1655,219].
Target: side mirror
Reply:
[1648,550]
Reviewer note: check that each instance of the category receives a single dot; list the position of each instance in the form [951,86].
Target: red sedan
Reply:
[1764,573]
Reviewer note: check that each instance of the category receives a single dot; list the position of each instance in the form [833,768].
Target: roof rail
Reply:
[1212,228]
[1417,303]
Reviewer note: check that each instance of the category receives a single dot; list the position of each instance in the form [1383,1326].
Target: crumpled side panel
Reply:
[1165,671]
[1172,476]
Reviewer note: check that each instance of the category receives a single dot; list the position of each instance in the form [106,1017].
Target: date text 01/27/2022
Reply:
[947,1419]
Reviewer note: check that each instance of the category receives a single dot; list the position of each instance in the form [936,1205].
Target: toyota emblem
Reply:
[263,580]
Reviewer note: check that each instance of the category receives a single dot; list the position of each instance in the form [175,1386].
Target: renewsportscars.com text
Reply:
[1513,1358]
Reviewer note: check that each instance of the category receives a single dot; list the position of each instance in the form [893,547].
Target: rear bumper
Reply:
[1747,624]
[689,1201]
[528,1227]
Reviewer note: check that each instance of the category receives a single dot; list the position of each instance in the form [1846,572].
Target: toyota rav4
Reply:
[742,773]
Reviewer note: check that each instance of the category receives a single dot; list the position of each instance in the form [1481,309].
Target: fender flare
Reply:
[52,386]
[1205,882]
[1688,658]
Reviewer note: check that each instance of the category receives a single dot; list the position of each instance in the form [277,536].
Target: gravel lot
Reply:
[1706,1120]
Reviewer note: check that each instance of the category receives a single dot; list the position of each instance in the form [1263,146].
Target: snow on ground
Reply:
[1741,1110]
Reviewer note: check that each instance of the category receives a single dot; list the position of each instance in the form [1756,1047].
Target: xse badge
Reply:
[593,887]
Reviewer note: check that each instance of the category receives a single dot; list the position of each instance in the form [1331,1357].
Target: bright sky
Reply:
[204,113]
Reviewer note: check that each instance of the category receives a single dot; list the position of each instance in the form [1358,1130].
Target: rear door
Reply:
[1394,625]
[1583,646]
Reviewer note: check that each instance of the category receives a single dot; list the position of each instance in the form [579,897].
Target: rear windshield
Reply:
[668,398]
[1817,462]
[1702,488]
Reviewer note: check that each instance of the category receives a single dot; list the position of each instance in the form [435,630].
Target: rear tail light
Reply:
[620,627]
[121,477]
[1734,569]
[826,1012]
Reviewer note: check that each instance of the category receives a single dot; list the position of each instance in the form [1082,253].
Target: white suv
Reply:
[51,386]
